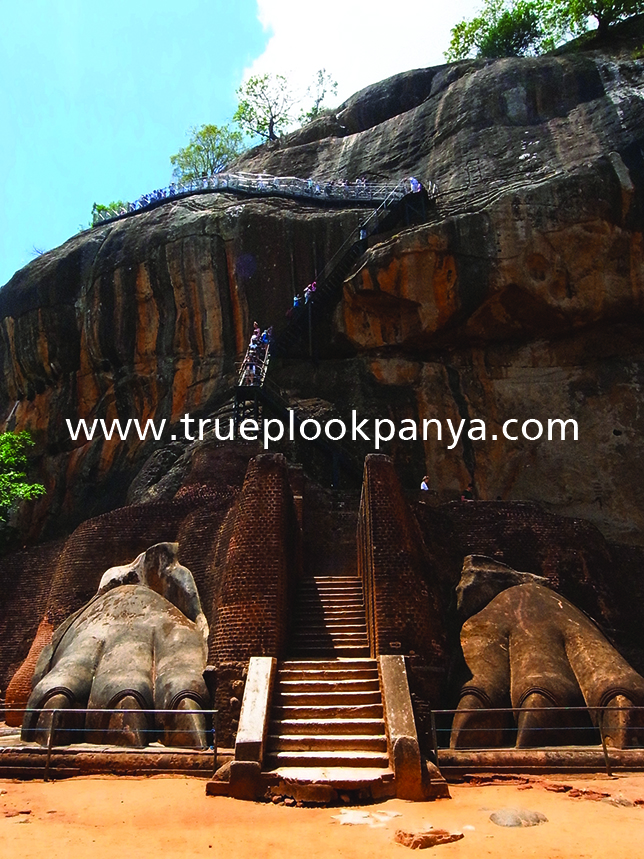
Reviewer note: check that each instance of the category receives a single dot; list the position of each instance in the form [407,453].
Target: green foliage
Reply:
[265,106]
[605,12]
[515,32]
[210,150]
[322,86]
[267,103]
[464,39]
[500,30]
[506,28]
[99,211]
[14,485]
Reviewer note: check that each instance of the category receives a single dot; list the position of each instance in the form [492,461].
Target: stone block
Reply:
[255,711]
[245,780]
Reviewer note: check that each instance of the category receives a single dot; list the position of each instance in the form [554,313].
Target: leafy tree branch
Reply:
[210,150]
[14,485]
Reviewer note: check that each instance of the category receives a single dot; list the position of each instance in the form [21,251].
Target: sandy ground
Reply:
[161,817]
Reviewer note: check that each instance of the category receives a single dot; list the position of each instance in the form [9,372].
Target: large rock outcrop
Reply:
[521,297]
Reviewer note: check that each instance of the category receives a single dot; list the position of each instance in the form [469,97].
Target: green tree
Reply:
[532,26]
[502,31]
[514,34]
[210,150]
[605,12]
[14,485]
[265,106]
[100,212]
[322,86]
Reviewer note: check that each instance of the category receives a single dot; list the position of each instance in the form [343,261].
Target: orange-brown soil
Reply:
[164,818]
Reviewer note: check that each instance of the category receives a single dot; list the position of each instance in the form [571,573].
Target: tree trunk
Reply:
[603,24]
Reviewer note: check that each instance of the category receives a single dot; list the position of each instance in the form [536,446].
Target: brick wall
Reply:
[52,581]
[401,593]
[251,597]
[25,581]
[255,569]
[572,553]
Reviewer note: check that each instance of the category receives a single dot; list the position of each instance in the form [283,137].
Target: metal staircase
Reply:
[397,207]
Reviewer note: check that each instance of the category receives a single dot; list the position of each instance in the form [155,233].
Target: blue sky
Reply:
[95,97]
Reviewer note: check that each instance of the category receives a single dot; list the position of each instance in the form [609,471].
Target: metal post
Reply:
[604,749]
[432,720]
[214,737]
[50,742]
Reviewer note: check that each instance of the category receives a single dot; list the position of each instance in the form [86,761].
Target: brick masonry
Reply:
[240,535]
[402,597]
[257,565]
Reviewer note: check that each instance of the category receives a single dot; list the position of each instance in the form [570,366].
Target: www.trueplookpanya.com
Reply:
[375,430]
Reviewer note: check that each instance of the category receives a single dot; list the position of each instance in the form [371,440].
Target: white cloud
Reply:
[357,42]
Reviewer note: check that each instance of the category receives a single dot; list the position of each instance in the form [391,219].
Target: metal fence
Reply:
[68,729]
[581,726]
[262,184]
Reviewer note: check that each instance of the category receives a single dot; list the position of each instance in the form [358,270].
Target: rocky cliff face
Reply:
[520,297]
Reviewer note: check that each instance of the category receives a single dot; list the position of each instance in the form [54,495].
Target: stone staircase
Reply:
[327,713]
[327,707]
[329,618]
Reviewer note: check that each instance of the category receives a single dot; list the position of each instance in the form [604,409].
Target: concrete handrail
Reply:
[255,709]
[402,738]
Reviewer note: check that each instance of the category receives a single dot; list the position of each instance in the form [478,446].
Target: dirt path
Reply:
[164,818]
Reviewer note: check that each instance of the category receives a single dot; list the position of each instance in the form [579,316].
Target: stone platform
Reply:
[555,759]
[29,760]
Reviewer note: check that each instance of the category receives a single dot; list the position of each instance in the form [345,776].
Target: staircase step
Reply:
[326,632]
[322,609]
[313,652]
[346,650]
[335,585]
[338,685]
[340,777]
[328,664]
[330,726]
[327,648]
[330,638]
[333,579]
[331,590]
[329,643]
[327,674]
[335,625]
[333,603]
[331,759]
[314,593]
[303,699]
[323,712]
[327,743]
[335,616]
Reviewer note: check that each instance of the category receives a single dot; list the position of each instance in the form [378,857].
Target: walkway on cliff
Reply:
[255,392]
[264,185]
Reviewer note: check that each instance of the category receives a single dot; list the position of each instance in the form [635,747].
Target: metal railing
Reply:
[586,723]
[254,366]
[262,184]
[71,725]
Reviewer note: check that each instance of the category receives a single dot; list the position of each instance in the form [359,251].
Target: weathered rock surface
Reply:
[425,838]
[518,817]
[532,650]
[521,298]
